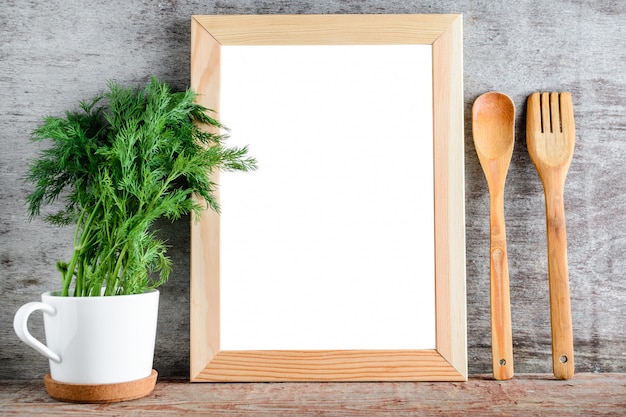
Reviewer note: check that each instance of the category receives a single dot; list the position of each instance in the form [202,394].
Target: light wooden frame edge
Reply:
[448,362]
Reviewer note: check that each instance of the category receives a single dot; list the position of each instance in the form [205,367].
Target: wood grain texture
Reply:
[205,232]
[449,176]
[53,54]
[449,360]
[545,66]
[329,365]
[525,396]
[346,29]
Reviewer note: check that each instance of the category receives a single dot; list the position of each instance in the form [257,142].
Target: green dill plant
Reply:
[122,161]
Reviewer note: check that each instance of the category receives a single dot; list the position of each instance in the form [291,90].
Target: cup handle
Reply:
[20,325]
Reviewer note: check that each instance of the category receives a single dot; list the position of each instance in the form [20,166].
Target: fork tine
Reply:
[533,113]
[545,113]
[567,114]
[555,118]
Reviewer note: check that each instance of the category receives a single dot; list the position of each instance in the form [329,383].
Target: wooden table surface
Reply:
[525,395]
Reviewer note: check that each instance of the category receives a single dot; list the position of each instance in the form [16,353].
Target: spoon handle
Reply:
[558,277]
[501,333]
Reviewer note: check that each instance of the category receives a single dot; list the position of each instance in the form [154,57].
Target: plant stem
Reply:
[113,277]
[79,248]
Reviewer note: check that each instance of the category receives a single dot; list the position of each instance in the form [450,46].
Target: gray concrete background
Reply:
[56,52]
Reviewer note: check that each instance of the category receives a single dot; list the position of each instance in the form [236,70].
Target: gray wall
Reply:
[56,52]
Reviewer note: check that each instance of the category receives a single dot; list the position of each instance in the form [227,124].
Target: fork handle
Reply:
[558,277]
[501,333]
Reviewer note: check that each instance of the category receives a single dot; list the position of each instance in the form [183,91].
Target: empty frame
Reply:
[343,256]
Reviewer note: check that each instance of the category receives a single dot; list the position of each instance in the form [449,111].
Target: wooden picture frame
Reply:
[448,361]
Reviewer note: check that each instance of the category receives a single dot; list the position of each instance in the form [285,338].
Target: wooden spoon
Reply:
[493,125]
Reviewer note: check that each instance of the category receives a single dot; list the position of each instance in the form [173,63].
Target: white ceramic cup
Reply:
[94,340]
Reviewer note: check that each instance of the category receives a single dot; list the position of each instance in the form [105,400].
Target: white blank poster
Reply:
[330,243]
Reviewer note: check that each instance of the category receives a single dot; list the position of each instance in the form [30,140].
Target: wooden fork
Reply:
[550,136]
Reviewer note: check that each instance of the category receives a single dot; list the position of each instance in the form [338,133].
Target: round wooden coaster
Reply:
[100,393]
